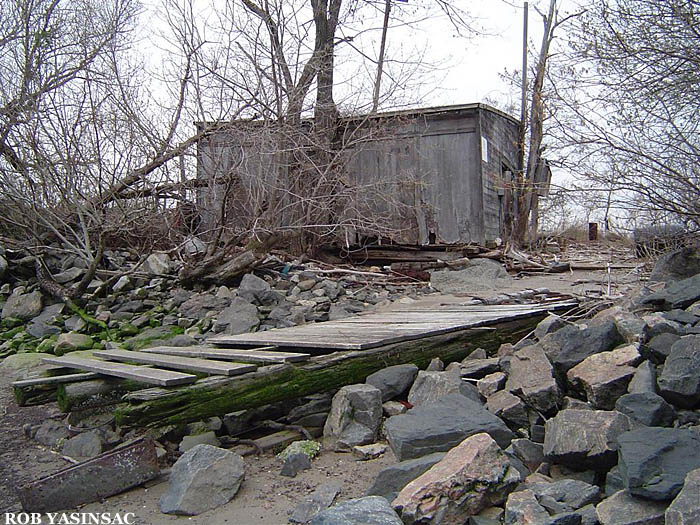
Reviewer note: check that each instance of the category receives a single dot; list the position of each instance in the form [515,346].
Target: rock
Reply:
[613,481]
[321,498]
[431,386]
[393,408]
[647,408]
[472,476]
[530,376]
[491,384]
[681,317]
[303,446]
[604,377]
[370,510]
[569,346]
[157,264]
[680,379]
[197,306]
[478,368]
[123,284]
[571,493]
[584,438]
[71,342]
[356,412]
[622,508]
[522,508]
[203,478]
[677,294]
[205,438]
[367,452]
[659,347]
[74,324]
[393,478]
[393,381]
[51,432]
[253,289]
[3,267]
[435,365]
[549,324]
[239,318]
[630,327]
[654,461]
[479,274]
[295,463]
[677,265]
[527,451]
[441,425]
[23,306]
[71,274]
[685,508]
[644,379]
[83,446]
[508,407]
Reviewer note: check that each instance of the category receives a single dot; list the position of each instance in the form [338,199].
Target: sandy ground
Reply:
[265,496]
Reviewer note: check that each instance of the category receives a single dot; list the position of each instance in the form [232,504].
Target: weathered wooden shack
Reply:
[444,170]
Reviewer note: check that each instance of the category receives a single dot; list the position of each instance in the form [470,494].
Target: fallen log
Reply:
[95,393]
[217,396]
[40,390]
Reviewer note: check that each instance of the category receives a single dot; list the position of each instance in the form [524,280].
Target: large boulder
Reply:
[72,342]
[583,439]
[622,508]
[479,274]
[355,416]
[680,379]
[509,408]
[654,461]
[256,290]
[393,478]
[371,510]
[203,478]
[23,306]
[393,381]
[522,508]
[530,376]
[644,379]
[572,344]
[685,508]
[571,494]
[239,318]
[158,264]
[472,476]
[677,294]
[677,265]
[441,425]
[431,386]
[604,377]
[647,408]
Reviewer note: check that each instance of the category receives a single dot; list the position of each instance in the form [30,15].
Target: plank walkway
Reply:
[382,328]
[177,362]
[260,355]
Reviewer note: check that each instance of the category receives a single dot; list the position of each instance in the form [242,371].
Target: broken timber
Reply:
[259,355]
[218,395]
[92,480]
[176,362]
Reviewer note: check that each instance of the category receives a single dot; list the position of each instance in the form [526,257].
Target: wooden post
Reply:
[592,231]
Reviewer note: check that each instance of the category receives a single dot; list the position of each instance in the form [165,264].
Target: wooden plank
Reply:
[54,380]
[177,362]
[151,376]
[92,480]
[232,354]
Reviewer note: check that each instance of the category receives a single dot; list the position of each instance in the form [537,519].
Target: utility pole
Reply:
[523,93]
[380,62]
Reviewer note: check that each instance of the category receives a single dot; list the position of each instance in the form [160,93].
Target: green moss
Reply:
[306,447]
[8,323]
[127,330]
[148,336]
[9,334]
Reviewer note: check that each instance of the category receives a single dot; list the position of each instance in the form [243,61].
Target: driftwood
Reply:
[93,394]
[215,270]
[217,396]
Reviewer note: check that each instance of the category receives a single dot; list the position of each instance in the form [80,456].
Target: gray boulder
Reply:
[527,451]
[239,318]
[647,408]
[680,379]
[71,342]
[393,478]
[622,508]
[479,274]
[83,446]
[441,425]
[677,294]
[295,463]
[256,290]
[523,508]
[472,476]
[530,376]
[431,386]
[478,368]
[685,508]
[604,377]
[583,439]
[197,306]
[3,267]
[549,324]
[658,348]
[572,494]
[370,510]
[321,498]
[51,432]
[203,478]
[204,438]
[677,265]
[23,306]
[654,461]
[491,384]
[393,381]
[157,263]
[644,379]
[508,407]
[355,416]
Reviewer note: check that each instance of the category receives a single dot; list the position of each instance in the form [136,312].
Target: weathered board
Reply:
[231,354]
[151,376]
[383,328]
[54,380]
[177,362]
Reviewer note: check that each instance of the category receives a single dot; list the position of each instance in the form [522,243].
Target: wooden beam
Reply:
[176,362]
[218,396]
[151,376]
[257,355]
[54,380]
